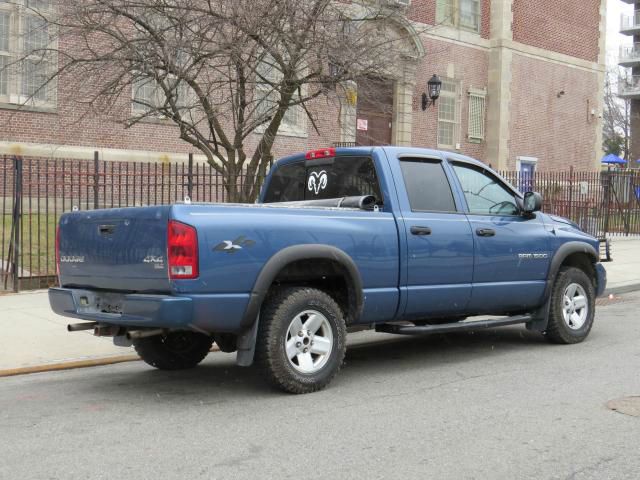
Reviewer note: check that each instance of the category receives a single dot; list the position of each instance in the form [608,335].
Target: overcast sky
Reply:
[615,8]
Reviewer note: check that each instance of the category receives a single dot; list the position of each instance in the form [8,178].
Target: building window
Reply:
[448,118]
[149,98]
[476,115]
[5,54]
[267,97]
[25,67]
[459,13]
[146,95]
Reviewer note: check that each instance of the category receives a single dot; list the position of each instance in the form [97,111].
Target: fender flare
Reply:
[296,253]
[561,255]
[540,317]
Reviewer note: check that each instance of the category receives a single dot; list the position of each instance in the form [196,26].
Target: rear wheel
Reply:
[572,307]
[227,342]
[175,350]
[301,339]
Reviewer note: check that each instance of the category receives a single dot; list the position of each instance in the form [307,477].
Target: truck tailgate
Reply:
[122,249]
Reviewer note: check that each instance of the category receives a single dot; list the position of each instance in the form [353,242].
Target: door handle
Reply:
[106,229]
[420,231]
[485,232]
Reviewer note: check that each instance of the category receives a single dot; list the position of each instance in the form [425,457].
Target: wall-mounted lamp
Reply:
[433,92]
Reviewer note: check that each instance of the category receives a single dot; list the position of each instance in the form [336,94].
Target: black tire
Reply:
[558,331]
[276,316]
[226,342]
[174,351]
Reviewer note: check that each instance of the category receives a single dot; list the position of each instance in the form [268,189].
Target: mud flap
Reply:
[540,318]
[247,345]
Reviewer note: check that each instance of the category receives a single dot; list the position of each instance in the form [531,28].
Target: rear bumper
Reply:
[211,313]
[601,279]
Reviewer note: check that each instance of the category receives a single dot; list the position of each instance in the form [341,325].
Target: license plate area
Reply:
[107,305]
[98,302]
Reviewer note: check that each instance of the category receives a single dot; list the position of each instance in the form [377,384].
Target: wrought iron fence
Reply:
[605,203]
[34,192]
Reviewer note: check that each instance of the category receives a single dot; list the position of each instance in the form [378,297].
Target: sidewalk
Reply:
[35,339]
[624,272]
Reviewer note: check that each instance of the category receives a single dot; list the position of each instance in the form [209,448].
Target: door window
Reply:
[427,186]
[484,193]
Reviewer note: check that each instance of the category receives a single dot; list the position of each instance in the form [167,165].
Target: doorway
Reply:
[374,111]
[526,167]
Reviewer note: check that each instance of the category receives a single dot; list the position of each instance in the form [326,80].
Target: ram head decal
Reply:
[317,181]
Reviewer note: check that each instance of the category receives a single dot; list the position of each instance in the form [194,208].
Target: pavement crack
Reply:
[432,387]
[590,468]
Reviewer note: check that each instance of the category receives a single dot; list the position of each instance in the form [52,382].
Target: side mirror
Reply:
[532,202]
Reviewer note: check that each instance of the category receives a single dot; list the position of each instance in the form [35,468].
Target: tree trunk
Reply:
[235,184]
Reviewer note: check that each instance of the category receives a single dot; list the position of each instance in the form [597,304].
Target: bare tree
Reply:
[617,113]
[227,73]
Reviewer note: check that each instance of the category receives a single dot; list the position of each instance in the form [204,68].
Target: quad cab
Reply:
[400,240]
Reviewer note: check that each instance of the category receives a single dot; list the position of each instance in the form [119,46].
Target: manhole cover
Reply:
[626,405]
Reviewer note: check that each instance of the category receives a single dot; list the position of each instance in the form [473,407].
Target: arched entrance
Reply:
[377,110]
[374,111]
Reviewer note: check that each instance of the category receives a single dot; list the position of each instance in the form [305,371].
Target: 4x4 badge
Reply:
[232,246]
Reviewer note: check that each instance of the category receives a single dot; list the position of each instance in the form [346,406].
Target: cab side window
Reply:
[484,193]
[427,185]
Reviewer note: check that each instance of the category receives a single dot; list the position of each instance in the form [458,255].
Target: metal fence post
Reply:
[96,178]
[17,221]
[571,192]
[607,200]
[190,177]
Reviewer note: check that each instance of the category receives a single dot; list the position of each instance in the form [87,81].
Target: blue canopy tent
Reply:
[612,159]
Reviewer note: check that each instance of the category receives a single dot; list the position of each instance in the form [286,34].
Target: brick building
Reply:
[522,89]
[630,89]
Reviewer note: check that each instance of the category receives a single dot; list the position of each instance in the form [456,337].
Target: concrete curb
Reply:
[632,287]
[72,364]
[52,367]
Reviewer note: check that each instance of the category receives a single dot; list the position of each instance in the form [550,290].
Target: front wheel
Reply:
[301,339]
[175,350]
[572,309]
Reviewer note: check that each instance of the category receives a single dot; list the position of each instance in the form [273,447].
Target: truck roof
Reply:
[391,151]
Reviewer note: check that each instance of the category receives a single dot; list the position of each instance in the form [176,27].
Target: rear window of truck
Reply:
[320,179]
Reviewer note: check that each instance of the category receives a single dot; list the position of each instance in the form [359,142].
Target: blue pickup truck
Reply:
[400,240]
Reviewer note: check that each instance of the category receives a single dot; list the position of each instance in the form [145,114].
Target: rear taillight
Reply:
[182,251]
[58,251]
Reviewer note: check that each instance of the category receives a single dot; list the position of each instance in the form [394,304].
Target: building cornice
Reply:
[468,39]
[74,152]
[456,36]
[547,55]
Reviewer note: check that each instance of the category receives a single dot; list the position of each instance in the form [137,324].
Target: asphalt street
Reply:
[497,404]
